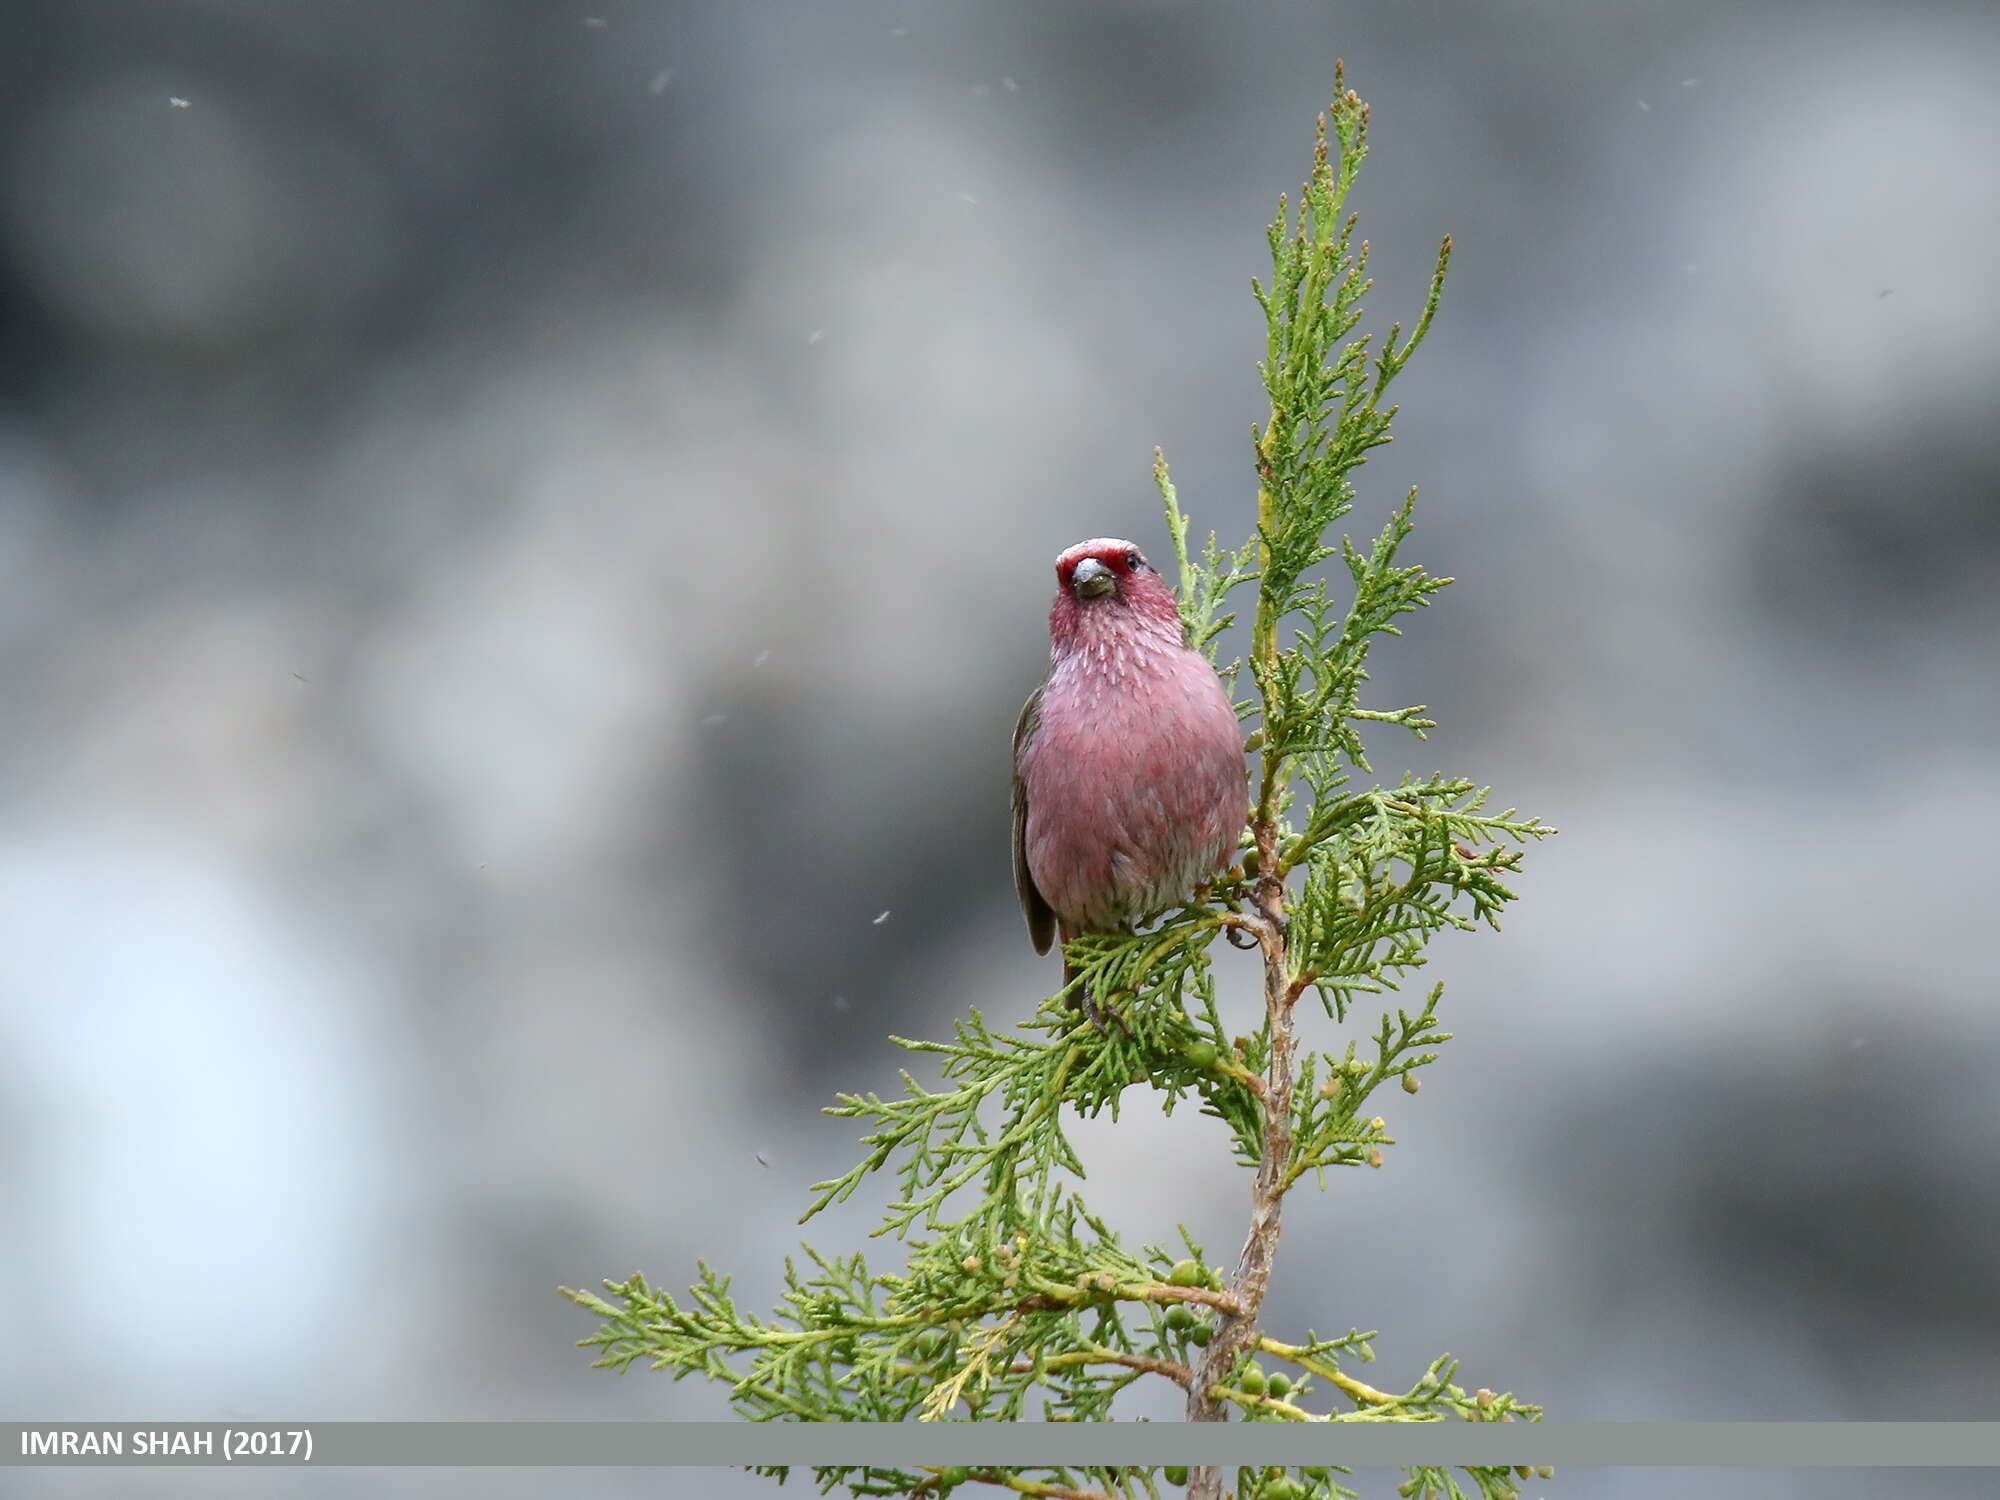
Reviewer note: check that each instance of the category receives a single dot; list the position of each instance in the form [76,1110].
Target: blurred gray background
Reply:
[524,530]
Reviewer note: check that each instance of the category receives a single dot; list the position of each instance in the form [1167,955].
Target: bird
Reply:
[1130,788]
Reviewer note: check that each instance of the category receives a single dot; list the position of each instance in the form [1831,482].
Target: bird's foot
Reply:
[1098,1013]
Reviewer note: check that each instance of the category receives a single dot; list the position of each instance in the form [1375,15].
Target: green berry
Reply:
[1179,1318]
[1252,862]
[950,1478]
[1200,1334]
[1174,1474]
[1186,1273]
[1279,1385]
[1202,1055]
[1251,1380]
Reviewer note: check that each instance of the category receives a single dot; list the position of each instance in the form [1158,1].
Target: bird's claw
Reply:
[1101,1013]
[1087,1002]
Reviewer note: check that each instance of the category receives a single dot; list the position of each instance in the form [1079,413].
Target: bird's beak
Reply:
[1092,580]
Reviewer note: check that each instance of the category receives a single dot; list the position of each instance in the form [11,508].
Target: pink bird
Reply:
[1129,783]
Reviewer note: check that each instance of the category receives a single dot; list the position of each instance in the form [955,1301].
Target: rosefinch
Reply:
[1129,784]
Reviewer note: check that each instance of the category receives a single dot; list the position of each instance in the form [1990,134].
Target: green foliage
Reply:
[1358,923]
[1012,1298]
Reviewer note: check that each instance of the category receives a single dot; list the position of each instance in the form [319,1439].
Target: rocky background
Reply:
[524,530]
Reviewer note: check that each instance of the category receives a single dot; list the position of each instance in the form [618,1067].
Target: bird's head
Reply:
[1106,587]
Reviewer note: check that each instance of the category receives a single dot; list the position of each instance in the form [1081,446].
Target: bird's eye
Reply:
[1134,560]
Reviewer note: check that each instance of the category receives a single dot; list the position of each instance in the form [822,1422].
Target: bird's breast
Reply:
[1135,782]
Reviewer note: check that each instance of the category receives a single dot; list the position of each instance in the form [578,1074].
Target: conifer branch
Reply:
[1011,1290]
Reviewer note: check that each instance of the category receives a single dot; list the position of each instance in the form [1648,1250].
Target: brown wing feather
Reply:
[1041,920]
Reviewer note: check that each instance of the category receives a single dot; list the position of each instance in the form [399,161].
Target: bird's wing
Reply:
[1041,920]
